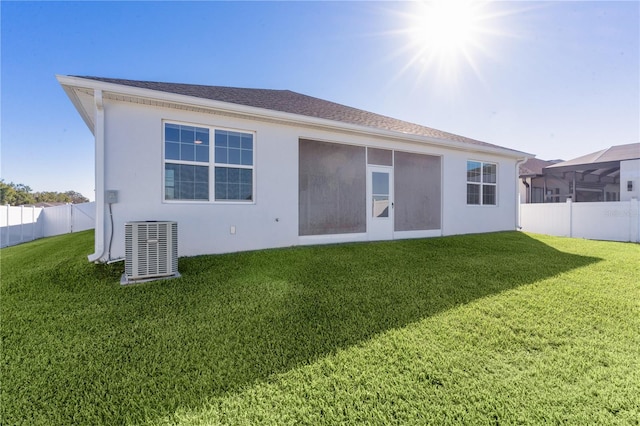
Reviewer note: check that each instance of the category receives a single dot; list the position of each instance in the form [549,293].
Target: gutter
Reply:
[99,178]
[279,116]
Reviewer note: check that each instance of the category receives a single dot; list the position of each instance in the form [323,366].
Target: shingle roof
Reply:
[296,103]
[534,166]
[615,153]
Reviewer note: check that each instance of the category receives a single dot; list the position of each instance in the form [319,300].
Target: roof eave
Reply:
[68,85]
[559,168]
[530,175]
[268,114]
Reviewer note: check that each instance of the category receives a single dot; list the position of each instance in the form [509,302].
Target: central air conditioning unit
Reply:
[151,251]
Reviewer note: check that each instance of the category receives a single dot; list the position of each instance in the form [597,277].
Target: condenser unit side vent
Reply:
[151,251]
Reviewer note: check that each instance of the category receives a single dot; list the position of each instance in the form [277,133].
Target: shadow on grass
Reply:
[139,353]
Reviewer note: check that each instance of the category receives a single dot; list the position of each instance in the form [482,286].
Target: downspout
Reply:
[99,166]
[527,191]
[517,203]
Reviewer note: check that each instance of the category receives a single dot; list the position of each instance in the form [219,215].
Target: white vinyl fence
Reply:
[612,221]
[21,224]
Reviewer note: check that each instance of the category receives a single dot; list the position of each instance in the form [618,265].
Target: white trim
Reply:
[87,117]
[442,200]
[211,164]
[100,177]
[403,235]
[278,116]
[482,183]
[306,240]
[380,228]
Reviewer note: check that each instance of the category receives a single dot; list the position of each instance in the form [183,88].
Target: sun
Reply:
[445,26]
[448,35]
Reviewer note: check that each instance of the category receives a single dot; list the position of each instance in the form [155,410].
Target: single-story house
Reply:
[244,169]
[610,174]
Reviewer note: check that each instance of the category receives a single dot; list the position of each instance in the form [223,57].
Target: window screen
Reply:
[332,188]
[417,183]
[380,157]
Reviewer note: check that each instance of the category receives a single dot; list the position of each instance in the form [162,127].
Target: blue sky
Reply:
[557,79]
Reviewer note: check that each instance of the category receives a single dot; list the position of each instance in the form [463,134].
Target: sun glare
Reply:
[444,26]
[448,35]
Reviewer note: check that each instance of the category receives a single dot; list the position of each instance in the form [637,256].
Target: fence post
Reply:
[570,204]
[519,207]
[7,230]
[68,214]
[33,223]
[634,221]
[8,227]
[21,224]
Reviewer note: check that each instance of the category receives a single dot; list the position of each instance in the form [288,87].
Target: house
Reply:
[534,184]
[244,169]
[607,175]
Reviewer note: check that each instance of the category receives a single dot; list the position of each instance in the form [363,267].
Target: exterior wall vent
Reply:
[151,251]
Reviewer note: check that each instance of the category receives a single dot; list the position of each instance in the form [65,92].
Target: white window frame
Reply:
[481,184]
[212,164]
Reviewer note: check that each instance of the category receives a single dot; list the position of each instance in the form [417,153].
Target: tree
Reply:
[76,197]
[20,194]
[51,197]
[15,194]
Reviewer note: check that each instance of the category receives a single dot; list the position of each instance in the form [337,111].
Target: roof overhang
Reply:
[581,167]
[80,91]
[529,175]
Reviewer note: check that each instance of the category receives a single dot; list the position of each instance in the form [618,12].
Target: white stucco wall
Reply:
[134,166]
[460,218]
[629,171]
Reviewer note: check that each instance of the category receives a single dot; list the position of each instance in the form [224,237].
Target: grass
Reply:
[482,329]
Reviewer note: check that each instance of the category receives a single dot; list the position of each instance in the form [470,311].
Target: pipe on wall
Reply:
[99,158]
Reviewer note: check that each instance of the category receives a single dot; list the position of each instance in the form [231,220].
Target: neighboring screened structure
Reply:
[417,182]
[332,188]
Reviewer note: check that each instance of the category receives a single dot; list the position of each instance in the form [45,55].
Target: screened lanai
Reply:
[590,178]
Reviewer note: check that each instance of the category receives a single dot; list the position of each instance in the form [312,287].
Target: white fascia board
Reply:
[69,89]
[285,117]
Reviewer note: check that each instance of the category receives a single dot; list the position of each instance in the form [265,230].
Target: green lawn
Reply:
[504,328]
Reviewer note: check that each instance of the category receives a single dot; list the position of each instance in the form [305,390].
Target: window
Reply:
[233,149]
[481,183]
[186,167]
[187,164]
